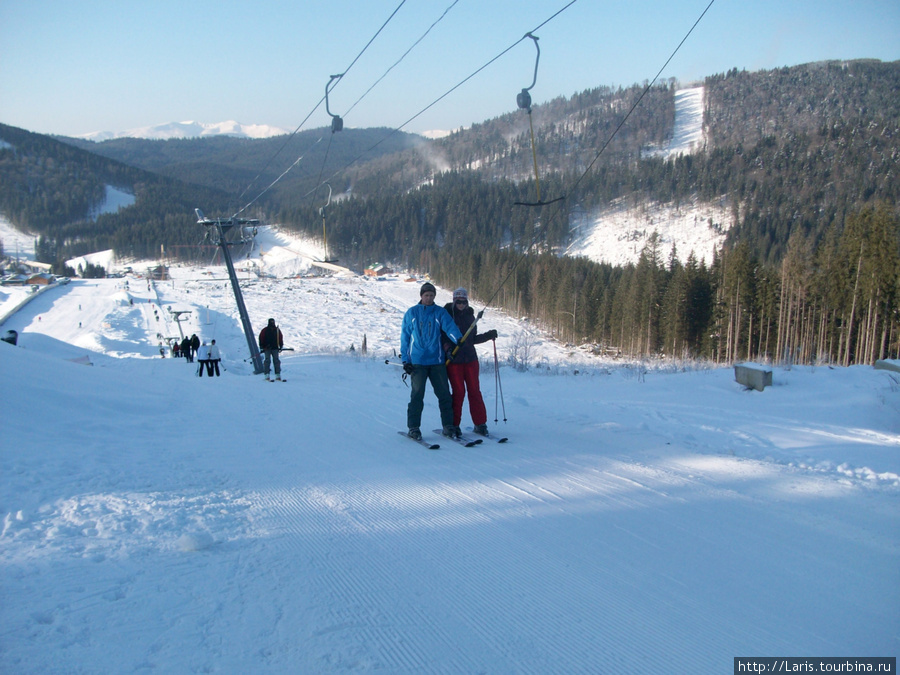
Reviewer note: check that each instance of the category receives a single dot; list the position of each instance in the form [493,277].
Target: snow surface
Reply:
[113,200]
[687,136]
[620,231]
[16,242]
[642,518]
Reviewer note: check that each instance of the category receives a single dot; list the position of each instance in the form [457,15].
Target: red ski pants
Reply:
[464,376]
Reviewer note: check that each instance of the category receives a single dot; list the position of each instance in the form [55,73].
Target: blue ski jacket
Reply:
[420,334]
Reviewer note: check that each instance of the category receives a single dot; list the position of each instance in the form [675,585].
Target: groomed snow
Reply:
[641,519]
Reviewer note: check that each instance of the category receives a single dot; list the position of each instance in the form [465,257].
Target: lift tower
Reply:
[220,226]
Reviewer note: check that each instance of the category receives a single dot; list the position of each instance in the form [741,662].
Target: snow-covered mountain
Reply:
[190,129]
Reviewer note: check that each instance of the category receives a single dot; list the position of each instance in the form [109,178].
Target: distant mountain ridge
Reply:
[772,153]
[190,129]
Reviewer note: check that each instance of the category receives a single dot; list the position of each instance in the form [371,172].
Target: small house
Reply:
[377,270]
[42,279]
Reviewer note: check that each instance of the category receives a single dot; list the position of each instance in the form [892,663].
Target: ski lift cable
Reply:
[272,184]
[643,94]
[337,122]
[558,208]
[272,159]
[405,54]
[444,95]
[306,119]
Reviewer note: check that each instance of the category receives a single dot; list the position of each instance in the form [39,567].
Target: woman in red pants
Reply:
[463,370]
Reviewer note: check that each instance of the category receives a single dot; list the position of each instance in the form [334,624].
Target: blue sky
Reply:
[71,68]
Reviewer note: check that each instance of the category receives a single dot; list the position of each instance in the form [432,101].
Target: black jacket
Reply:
[463,319]
[270,338]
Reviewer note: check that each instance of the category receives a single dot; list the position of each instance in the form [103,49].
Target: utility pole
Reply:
[221,227]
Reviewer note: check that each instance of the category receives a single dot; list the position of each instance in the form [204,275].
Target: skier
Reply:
[186,350]
[463,370]
[214,357]
[423,359]
[203,360]
[271,342]
[195,345]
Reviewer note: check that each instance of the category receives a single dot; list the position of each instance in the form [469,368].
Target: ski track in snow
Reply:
[153,520]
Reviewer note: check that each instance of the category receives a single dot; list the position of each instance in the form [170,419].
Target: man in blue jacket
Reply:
[423,359]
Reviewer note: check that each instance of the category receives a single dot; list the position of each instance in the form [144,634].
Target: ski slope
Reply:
[641,519]
[619,232]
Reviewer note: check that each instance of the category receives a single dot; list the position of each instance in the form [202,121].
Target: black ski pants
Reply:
[437,375]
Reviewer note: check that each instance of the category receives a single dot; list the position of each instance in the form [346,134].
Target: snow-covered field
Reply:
[641,519]
[619,233]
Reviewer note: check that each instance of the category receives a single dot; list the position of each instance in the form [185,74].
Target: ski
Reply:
[420,441]
[499,439]
[462,440]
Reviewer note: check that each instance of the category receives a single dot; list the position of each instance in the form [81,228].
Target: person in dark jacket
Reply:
[186,350]
[463,369]
[195,345]
[271,342]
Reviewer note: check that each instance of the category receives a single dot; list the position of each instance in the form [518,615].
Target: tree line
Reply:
[837,303]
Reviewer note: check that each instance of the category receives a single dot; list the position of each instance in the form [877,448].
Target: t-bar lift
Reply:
[221,226]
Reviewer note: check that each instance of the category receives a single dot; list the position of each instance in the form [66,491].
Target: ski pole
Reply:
[394,363]
[498,385]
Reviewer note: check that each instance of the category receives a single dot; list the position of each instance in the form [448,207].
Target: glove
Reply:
[408,368]
[490,335]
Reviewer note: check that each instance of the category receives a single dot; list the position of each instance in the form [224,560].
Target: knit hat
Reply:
[271,322]
[427,287]
[460,293]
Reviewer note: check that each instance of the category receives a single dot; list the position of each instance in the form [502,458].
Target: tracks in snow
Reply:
[459,559]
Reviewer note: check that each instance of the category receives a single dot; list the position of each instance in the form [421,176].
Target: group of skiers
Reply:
[432,349]
[207,355]
[188,348]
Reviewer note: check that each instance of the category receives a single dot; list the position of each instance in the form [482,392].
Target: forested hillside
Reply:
[51,189]
[241,166]
[805,158]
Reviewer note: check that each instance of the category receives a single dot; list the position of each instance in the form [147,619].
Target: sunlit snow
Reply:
[643,517]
